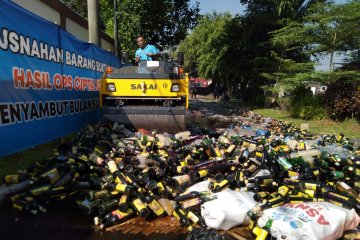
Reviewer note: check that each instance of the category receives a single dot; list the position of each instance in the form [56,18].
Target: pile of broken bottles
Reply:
[113,174]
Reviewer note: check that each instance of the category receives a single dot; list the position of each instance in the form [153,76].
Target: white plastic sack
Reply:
[228,210]
[312,220]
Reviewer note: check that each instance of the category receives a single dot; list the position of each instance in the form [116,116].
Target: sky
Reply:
[220,6]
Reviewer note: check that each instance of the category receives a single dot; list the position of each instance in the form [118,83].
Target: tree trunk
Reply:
[331,65]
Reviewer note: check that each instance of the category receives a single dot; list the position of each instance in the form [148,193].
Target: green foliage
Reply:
[213,49]
[309,108]
[284,103]
[327,28]
[301,91]
[278,60]
[343,98]
[162,22]
[79,6]
[306,106]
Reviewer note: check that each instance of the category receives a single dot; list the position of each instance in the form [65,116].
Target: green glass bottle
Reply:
[23,206]
[140,207]
[16,178]
[117,217]
[108,206]
[153,204]
[180,215]
[262,233]
[195,218]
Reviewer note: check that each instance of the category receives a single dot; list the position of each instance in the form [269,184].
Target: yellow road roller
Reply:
[150,95]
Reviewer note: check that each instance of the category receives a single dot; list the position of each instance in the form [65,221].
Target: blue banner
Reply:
[49,80]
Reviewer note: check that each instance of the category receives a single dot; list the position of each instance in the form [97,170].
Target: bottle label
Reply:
[310,192]
[274,202]
[160,186]
[221,184]
[311,186]
[17,207]
[182,179]
[74,150]
[252,168]
[96,159]
[293,174]
[316,173]
[139,205]
[301,194]
[121,214]
[121,187]
[296,200]
[302,146]
[123,199]
[84,158]
[217,152]
[338,196]
[258,154]
[267,181]
[11,179]
[112,166]
[179,169]
[176,215]
[203,173]
[190,203]
[52,174]
[40,190]
[193,217]
[283,190]
[262,194]
[117,180]
[251,224]
[98,150]
[156,207]
[230,149]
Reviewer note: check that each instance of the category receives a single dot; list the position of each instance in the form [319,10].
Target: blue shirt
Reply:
[148,49]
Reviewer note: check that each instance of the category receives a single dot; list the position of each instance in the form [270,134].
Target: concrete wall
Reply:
[40,9]
[77,30]
[58,13]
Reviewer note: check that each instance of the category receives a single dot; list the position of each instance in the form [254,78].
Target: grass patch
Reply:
[351,128]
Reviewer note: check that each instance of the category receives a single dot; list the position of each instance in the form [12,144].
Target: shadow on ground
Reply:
[61,223]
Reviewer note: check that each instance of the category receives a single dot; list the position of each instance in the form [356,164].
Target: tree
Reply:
[327,29]
[261,17]
[162,22]
[78,6]
[295,9]
[212,49]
